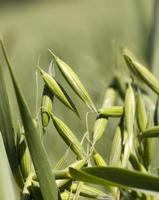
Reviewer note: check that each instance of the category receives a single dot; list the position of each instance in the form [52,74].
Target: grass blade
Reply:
[7,131]
[36,148]
[117,177]
[6,179]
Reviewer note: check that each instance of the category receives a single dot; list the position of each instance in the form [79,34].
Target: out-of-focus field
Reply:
[82,33]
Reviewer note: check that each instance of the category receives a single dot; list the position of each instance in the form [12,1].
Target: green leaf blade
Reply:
[117,177]
[36,148]
[7,131]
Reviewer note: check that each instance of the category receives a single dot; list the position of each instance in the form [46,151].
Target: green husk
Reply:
[148,142]
[74,82]
[141,71]
[113,111]
[70,101]
[24,156]
[116,148]
[141,114]
[68,136]
[55,89]
[46,106]
[101,123]
[129,110]
[150,132]
[98,159]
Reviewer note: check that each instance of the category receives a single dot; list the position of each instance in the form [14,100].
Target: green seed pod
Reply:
[46,106]
[98,159]
[128,143]
[101,123]
[70,101]
[116,148]
[129,110]
[113,111]
[74,82]
[141,115]
[24,156]
[129,123]
[68,136]
[141,71]
[55,88]
[150,132]
[148,142]
[148,151]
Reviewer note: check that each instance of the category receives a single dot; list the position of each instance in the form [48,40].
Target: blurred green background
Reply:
[83,34]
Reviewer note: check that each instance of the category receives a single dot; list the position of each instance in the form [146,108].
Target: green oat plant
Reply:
[128,173]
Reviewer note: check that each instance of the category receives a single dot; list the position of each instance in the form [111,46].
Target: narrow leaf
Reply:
[6,182]
[36,148]
[7,131]
[117,177]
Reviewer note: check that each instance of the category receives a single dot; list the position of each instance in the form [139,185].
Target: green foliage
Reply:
[129,172]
